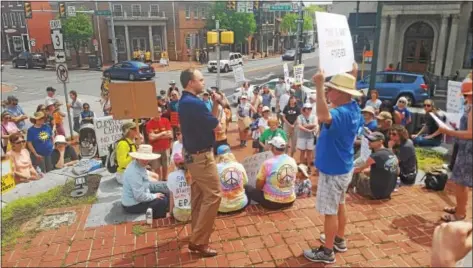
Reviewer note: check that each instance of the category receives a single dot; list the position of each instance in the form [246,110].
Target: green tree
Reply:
[289,24]
[242,24]
[77,32]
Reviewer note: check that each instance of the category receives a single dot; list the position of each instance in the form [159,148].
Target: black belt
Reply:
[206,150]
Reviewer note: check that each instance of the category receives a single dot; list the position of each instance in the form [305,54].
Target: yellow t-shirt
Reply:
[123,157]
[136,54]
[148,55]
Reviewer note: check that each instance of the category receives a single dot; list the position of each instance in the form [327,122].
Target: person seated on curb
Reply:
[303,185]
[405,151]
[369,118]
[429,134]
[126,145]
[179,187]
[232,177]
[270,133]
[275,180]
[63,155]
[385,122]
[23,169]
[376,177]
[139,192]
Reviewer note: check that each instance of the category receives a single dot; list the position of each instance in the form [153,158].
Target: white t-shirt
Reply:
[176,148]
[180,190]
[283,100]
[261,123]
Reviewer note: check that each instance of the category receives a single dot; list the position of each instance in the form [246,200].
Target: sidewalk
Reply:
[394,233]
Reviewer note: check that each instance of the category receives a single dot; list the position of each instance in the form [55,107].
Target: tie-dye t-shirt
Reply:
[232,179]
[279,175]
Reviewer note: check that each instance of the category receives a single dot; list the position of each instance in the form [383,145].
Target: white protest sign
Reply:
[335,43]
[252,165]
[286,72]
[299,74]
[365,150]
[239,74]
[440,122]
[455,103]
[107,131]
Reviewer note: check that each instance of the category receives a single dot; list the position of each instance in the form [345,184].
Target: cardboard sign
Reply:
[286,73]
[133,100]
[252,165]
[239,74]
[299,74]
[8,181]
[455,103]
[335,43]
[107,131]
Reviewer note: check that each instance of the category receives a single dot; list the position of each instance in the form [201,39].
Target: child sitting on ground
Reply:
[303,185]
[178,183]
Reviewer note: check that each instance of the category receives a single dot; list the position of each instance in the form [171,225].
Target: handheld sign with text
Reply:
[107,131]
[299,74]
[239,74]
[455,103]
[133,100]
[8,181]
[252,165]
[335,43]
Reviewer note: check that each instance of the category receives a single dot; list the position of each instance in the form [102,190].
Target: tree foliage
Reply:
[289,24]
[242,24]
[77,31]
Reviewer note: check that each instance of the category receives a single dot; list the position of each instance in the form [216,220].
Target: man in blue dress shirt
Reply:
[197,127]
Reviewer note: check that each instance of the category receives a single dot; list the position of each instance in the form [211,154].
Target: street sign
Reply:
[280,7]
[295,6]
[299,21]
[33,42]
[71,11]
[103,12]
[62,73]
[55,24]
[60,56]
[57,38]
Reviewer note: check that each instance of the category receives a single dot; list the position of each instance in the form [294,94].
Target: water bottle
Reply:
[149,216]
[40,173]
[398,184]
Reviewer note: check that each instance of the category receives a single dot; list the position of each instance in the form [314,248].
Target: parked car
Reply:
[392,85]
[308,49]
[307,86]
[130,70]
[226,64]
[289,54]
[29,60]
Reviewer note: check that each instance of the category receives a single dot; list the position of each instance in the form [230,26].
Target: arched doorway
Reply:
[418,42]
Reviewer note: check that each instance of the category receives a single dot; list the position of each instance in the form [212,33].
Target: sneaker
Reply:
[338,246]
[319,255]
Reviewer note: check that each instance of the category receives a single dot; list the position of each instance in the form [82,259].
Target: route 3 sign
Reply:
[62,73]
[57,39]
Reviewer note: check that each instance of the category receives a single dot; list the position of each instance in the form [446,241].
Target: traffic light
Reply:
[227,37]
[212,38]
[231,5]
[62,10]
[28,10]
[255,5]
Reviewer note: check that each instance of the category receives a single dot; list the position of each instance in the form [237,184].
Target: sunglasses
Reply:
[427,105]
[402,102]
[20,142]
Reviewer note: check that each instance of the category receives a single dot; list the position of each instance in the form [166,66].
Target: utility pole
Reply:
[261,29]
[300,22]
[217,27]
[374,62]
[301,33]
[100,37]
[114,40]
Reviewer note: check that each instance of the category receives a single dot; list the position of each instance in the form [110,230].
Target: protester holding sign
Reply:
[462,171]
[23,169]
[178,183]
[339,127]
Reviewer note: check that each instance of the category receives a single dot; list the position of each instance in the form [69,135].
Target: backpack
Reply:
[435,180]
[111,161]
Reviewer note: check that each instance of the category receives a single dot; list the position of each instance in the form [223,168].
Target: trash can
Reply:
[95,62]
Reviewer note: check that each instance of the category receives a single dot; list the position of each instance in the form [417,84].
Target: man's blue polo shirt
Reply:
[197,123]
[336,140]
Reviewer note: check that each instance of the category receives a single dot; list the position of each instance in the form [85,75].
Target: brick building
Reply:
[14,37]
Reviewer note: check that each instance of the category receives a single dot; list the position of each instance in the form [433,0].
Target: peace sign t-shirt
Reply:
[181,192]
[232,177]
[279,175]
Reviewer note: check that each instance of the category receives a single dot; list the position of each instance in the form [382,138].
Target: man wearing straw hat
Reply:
[139,192]
[338,130]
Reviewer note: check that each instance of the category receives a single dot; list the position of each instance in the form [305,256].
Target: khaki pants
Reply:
[205,196]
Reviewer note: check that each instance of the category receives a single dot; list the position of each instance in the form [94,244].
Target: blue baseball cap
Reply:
[223,149]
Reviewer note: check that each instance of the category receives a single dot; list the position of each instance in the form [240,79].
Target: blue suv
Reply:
[392,85]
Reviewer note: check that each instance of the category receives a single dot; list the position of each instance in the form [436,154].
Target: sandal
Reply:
[451,218]
[450,210]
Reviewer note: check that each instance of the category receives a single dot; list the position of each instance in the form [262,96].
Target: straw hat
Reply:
[144,152]
[344,82]
[369,109]
[38,115]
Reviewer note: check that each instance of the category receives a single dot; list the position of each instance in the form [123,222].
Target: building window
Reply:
[117,10]
[135,10]
[13,19]
[21,19]
[121,46]
[188,11]
[154,10]
[5,20]
[203,13]
[468,62]
[196,12]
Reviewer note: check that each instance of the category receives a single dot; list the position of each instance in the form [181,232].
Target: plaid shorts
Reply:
[331,191]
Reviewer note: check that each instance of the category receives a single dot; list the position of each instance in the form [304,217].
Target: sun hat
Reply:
[177,158]
[369,109]
[173,82]
[384,116]
[376,136]
[60,139]
[304,169]
[402,99]
[223,149]
[307,106]
[466,87]
[278,142]
[38,115]
[144,152]
[266,109]
[344,82]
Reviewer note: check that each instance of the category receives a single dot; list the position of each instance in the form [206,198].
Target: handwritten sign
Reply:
[286,73]
[239,74]
[299,74]
[252,165]
[335,43]
[8,181]
[107,131]
[455,103]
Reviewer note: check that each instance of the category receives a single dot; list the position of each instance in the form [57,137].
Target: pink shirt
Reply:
[21,162]
[9,128]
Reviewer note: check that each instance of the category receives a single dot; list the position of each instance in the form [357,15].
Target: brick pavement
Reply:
[393,233]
